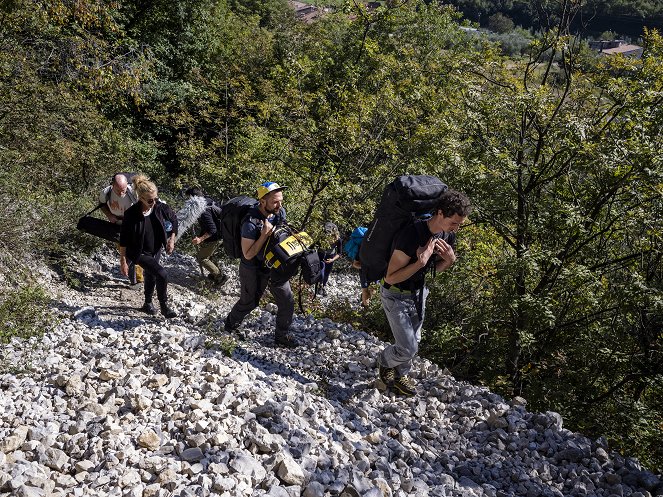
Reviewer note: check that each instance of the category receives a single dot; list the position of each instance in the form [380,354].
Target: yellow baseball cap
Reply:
[268,187]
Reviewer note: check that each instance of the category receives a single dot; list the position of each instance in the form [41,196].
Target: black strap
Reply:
[101,204]
[299,294]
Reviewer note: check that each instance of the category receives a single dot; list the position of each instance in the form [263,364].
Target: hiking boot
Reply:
[167,312]
[148,308]
[234,329]
[405,386]
[229,327]
[220,279]
[387,375]
[286,340]
[323,292]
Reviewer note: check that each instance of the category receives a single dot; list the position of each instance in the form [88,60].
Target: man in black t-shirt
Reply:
[419,247]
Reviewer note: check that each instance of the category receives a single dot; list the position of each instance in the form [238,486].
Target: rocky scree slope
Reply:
[111,402]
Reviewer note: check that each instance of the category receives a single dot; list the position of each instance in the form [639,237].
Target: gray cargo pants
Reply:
[405,323]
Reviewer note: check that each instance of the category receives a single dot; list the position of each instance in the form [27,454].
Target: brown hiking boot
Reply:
[286,340]
[405,386]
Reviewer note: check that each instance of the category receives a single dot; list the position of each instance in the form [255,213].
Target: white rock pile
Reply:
[125,405]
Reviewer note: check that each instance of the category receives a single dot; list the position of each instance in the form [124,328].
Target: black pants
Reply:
[155,276]
[253,282]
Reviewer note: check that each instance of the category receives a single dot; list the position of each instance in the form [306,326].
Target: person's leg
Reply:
[366,291]
[205,251]
[148,288]
[157,276]
[405,326]
[321,284]
[326,272]
[252,285]
[285,303]
[325,276]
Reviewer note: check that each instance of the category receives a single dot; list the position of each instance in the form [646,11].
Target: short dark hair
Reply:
[452,202]
[194,191]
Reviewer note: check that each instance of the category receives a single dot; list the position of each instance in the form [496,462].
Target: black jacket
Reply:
[207,223]
[133,228]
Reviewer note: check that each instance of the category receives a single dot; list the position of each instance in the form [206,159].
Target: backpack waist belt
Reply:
[396,288]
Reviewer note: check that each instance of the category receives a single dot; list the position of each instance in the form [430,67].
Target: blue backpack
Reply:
[351,247]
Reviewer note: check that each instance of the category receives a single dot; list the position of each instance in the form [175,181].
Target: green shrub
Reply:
[24,312]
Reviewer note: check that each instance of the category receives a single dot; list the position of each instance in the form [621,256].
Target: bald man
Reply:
[117,198]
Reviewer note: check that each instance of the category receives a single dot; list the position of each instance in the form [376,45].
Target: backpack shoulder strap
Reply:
[131,194]
[99,206]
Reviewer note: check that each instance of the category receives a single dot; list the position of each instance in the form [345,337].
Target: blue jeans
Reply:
[326,271]
[405,323]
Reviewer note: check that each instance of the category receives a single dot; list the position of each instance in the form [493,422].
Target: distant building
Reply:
[614,47]
[304,11]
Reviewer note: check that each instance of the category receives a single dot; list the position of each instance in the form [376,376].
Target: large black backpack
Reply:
[233,213]
[404,199]
[217,216]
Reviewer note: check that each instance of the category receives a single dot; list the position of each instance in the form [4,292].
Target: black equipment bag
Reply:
[311,267]
[217,216]
[284,249]
[233,213]
[404,199]
[99,227]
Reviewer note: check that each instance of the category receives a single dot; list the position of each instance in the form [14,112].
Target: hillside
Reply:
[111,402]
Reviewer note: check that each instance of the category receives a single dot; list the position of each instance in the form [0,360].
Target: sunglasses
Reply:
[149,201]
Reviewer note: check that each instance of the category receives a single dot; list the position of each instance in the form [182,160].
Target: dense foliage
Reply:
[558,292]
[627,17]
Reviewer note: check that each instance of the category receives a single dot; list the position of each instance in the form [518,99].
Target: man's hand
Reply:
[196,240]
[266,228]
[426,252]
[113,218]
[124,267]
[445,251]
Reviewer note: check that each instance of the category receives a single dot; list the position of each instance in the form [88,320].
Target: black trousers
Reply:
[253,282]
[155,276]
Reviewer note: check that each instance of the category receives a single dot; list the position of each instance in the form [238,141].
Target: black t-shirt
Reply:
[251,229]
[150,244]
[408,241]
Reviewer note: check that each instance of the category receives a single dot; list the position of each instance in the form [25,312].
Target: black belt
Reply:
[396,288]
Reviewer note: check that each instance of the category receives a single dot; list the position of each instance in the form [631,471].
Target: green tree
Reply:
[565,170]
[499,23]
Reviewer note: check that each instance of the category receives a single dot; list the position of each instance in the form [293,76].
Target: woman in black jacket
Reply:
[148,226]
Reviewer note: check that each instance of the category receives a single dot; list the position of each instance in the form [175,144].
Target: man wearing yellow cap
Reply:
[254,276]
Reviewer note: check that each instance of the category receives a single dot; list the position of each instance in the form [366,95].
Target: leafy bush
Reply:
[24,312]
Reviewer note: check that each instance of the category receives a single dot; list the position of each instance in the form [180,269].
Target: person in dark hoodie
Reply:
[148,227]
[208,238]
